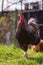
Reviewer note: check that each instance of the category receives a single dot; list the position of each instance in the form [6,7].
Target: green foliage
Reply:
[2,19]
[6,23]
[14,56]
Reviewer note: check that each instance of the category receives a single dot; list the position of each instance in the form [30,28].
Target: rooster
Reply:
[25,34]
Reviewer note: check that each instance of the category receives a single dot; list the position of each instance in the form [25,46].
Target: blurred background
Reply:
[31,8]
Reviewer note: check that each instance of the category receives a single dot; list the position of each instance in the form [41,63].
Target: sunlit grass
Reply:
[10,55]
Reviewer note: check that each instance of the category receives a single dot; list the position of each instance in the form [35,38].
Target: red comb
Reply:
[21,20]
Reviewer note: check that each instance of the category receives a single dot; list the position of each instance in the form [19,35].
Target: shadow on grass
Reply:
[39,60]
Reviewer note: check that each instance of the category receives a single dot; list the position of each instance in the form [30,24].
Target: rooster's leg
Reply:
[25,54]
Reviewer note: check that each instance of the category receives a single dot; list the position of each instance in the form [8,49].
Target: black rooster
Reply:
[26,34]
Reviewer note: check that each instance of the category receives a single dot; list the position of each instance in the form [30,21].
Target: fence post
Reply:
[15,24]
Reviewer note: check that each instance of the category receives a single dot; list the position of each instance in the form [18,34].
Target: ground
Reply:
[14,56]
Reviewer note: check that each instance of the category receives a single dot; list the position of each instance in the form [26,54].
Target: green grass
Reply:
[14,56]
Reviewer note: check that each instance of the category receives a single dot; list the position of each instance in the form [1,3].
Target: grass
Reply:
[14,56]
